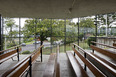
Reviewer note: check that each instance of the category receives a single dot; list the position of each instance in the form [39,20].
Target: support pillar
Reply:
[65,36]
[19,31]
[0,32]
[96,28]
[78,31]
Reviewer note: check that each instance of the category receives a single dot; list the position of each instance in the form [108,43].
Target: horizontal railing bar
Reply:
[103,44]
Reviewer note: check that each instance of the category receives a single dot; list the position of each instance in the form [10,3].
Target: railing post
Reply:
[0,33]
[30,68]
[18,53]
[41,53]
[85,64]
[74,52]
[93,50]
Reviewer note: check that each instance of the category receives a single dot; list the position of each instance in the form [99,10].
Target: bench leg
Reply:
[92,50]
[27,73]
[13,59]
[18,57]
[30,68]
[41,54]
[85,67]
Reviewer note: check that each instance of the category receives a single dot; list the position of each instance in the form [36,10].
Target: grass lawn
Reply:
[48,50]
[30,42]
[62,48]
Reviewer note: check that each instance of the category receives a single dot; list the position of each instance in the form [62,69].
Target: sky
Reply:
[75,20]
[22,21]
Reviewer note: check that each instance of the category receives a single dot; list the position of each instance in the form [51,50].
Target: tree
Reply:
[42,28]
[111,17]
[86,27]
[88,23]
[10,27]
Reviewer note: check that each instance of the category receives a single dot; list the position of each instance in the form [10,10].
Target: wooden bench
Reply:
[9,53]
[52,68]
[24,66]
[106,52]
[98,66]
[79,71]
[107,67]
[114,44]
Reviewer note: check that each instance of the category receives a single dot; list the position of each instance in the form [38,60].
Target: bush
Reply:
[81,35]
[26,52]
[11,45]
[91,39]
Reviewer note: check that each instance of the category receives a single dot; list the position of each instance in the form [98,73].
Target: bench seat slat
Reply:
[105,61]
[35,56]
[79,71]
[49,70]
[21,69]
[99,63]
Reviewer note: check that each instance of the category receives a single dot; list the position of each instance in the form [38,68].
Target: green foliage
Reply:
[111,17]
[81,35]
[91,39]
[10,28]
[88,23]
[43,28]
[11,45]
[26,52]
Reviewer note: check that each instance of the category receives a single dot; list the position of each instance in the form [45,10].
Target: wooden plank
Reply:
[8,54]
[104,52]
[36,53]
[10,48]
[104,45]
[21,69]
[3,60]
[95,60]
[94,70]
[57,64]
[14,67]
[21,66]
[49,69]
[20,49]
[35,56]
[79,71]
[114,44]
[105,61]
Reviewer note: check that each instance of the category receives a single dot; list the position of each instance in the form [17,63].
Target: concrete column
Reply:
[0,32]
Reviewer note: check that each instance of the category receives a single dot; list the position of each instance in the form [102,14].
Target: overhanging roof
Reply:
[55,8]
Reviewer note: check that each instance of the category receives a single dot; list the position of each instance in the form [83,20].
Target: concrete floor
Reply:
[38,67]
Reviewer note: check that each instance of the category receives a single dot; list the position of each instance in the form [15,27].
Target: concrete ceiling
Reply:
[55,8]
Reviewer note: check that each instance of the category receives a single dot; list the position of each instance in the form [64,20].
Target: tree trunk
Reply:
[41,42]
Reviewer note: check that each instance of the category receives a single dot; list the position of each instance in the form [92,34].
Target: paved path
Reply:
[32,47]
